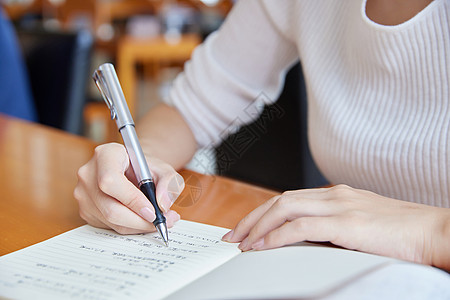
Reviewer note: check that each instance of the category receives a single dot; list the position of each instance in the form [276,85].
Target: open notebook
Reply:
[92,263]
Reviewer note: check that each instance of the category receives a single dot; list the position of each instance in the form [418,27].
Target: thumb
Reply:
[168,188]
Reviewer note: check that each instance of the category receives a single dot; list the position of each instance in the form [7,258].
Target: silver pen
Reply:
[107,82]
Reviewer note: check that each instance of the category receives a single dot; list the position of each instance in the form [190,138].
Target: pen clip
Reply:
[102,86]
[107,82]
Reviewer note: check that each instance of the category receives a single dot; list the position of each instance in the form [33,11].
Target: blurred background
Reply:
[63,41]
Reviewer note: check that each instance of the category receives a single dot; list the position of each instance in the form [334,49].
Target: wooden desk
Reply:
[38,175]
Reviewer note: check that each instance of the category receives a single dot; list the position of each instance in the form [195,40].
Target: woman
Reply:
[379,126]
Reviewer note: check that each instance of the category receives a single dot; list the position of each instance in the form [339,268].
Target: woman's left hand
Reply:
[351,218]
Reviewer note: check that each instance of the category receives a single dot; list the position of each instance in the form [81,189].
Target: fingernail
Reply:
[172,221]
[243,244]
[227,237]
[147,214]
[258,245]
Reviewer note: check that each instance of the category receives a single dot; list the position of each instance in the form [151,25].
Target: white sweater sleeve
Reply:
[245,60]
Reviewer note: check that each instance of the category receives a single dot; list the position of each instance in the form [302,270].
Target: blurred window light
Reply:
[56,2]
[210,2]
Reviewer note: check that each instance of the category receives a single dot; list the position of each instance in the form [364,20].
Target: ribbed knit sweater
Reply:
[378,96]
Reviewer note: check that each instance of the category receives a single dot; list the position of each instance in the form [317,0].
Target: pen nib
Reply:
[162,229]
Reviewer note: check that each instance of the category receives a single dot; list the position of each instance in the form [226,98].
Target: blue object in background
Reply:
[15,93]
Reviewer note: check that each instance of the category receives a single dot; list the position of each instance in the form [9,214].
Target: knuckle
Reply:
[82,172]
[102,147]
[340,187]
[288,193]
[244,225]
[283,202]
[272,200]
[244,221]
[105,182]
[77,193]
[100,150]
[341,191]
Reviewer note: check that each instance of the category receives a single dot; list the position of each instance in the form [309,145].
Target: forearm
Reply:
[165,135]
[441,244]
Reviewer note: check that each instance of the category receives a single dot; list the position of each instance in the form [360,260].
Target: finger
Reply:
[316,193]
[123,220]
[171,218]
[113,163]
[87,209]
[92,215]
[313,229]
[100,210]
[168,188]
[244,226]
[89,215]
[111,157]
[285,209]
[113,183]
[115,213]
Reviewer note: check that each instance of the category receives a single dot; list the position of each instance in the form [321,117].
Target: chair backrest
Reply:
[15,92]
[273,151]
[58,65]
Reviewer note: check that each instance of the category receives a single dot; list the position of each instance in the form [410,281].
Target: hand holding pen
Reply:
[107,190]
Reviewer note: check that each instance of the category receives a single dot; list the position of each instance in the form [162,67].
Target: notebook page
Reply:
[300,271]
[92,263]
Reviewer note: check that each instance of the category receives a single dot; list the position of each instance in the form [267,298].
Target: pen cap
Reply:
[107,82]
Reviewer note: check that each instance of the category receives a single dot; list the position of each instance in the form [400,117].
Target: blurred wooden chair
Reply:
[132,51]
[104,12]
[155,51]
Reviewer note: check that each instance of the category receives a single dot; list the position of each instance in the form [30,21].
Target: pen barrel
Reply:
[108,83]
[137,158]
[149,190]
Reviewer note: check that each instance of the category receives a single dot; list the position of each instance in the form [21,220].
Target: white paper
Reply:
[295,272]
[310,271]
[398,280]
[92,263]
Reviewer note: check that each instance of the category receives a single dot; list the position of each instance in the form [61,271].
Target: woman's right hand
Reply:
[108,196]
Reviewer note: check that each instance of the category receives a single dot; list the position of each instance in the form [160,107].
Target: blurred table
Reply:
[38,175]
